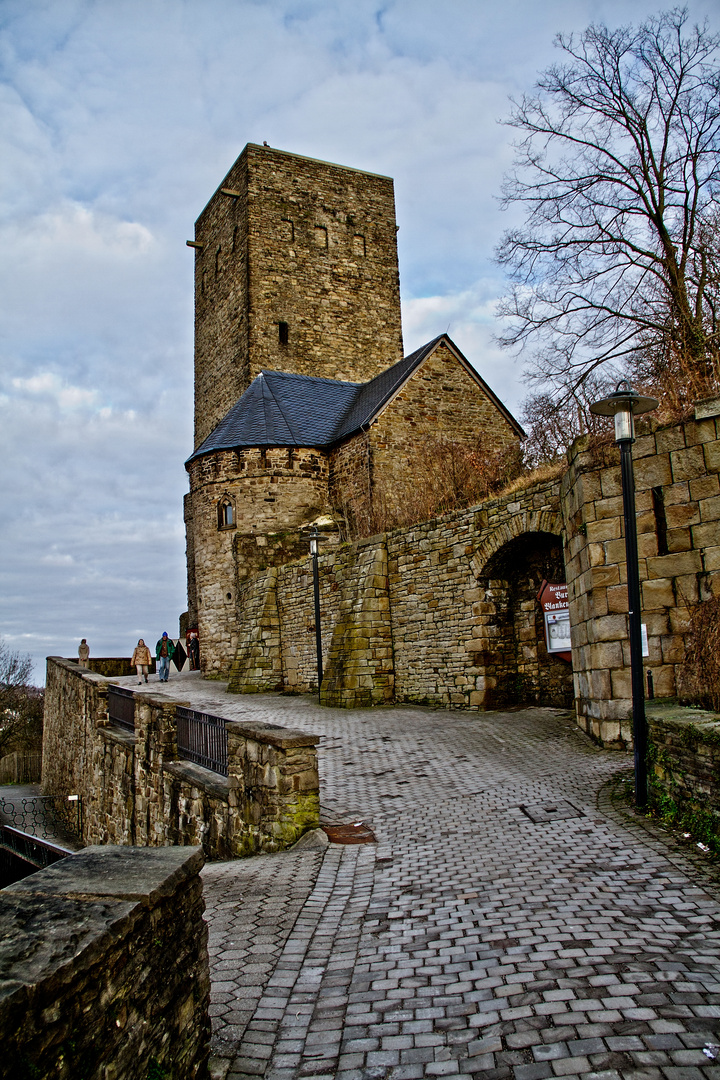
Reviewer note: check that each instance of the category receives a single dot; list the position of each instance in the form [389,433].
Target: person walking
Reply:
[141,660]
[164,653]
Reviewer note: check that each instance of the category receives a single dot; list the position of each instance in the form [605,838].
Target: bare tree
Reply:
[618,170]
[21,703]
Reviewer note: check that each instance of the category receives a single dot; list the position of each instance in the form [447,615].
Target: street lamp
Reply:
[314,546]
[624,404]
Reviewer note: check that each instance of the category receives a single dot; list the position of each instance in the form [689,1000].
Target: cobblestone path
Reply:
[470,940]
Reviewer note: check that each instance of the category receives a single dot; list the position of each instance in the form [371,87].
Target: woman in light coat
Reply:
[141,660]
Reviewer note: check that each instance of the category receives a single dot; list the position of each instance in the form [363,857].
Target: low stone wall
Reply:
[136,790]
[104,967]
[684,769]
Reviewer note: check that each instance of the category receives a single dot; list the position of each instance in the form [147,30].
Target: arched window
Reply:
[226,514]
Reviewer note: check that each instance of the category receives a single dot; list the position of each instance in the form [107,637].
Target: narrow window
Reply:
[658,504]
[287,230]
[263,459]
[217,261]
[283,333]
[359,245]
[202,282]
[226,514]
[234,239]
[321,237]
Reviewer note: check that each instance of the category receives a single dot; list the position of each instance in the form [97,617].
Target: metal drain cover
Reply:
[551,811]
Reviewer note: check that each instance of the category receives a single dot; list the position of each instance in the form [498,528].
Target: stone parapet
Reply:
[136,790]
[104,967]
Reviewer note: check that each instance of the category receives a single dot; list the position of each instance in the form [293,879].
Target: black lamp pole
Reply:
[624,404]
[314,541]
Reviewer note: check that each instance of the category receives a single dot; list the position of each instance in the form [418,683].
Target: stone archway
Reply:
[516,666]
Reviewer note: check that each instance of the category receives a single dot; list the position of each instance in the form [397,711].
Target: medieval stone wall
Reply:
[440,402]
[273,493]
[404,615]
[135,789]
[304,243]
[105,967]
[678,504]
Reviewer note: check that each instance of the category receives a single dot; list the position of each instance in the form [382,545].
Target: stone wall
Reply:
[684,769]
[678,519]
[303,242]
[136,790]
[404,614]
[104,967]
[274,494]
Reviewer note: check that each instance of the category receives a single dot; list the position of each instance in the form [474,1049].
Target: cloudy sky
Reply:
[118,120]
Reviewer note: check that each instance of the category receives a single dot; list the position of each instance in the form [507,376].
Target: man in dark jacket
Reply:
[164,652]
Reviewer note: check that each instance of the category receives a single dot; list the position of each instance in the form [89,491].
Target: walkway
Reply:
[476,938]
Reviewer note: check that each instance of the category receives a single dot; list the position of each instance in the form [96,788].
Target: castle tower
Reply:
[295,270]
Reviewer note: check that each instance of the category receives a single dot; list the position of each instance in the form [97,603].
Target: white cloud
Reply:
[119,120]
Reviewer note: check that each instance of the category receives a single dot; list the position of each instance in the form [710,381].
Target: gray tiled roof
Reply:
[283,409]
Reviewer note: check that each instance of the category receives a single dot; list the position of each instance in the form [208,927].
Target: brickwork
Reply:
[678,519]
[136,790]
[408,611]
[441,401]
[684,774]
[305,243]
[273,494]
[104,967]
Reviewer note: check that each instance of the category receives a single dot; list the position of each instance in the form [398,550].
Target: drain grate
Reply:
[549,810]
[357,832]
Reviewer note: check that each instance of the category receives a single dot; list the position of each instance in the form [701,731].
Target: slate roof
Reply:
[283,409]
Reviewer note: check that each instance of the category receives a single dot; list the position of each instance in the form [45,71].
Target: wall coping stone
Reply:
[116,734]
[132,874]
[669,712]
[213,783]
[272,733]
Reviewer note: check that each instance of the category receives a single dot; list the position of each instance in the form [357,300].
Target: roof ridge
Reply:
[309,378]
[279,408]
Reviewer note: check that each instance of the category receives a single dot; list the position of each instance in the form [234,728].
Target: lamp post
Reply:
[624,404]
[314,544]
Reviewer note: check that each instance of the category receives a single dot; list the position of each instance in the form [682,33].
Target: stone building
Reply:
[303,400]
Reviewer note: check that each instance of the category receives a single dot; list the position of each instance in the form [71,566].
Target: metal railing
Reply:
[202,738]
[48,817]
[121,707]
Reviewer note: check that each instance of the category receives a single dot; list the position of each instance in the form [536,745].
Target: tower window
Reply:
[283,333]
[359,245]
[217,261]
[234,239]
[321,236]
[226,514]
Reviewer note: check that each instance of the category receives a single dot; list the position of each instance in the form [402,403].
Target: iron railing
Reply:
[202,738]
[47,817]
[31,849]
[121,707]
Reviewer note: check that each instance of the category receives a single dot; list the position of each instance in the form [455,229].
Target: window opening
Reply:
[226,514]
[283,333]
[321,236]
[658,504]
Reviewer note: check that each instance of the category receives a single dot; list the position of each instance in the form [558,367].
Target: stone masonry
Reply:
[104,967]
[311,246]
[136,789]
[460,614]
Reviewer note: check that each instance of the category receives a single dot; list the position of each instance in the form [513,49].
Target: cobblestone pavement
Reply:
[472,939]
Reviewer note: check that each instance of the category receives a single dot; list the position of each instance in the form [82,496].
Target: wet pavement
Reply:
[510,920]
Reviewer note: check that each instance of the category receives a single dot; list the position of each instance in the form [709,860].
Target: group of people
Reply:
[164,652]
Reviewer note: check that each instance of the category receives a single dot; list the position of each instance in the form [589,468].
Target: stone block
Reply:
[711,558]
[711,450]
[604,529]
[705,487]
[652,472]
[682,515]
[687,464]
[608,628]
[617,598]
[679,540]
[670,438]
[664,566]
[657,593]
[676,493]
[706,535]
[710,509]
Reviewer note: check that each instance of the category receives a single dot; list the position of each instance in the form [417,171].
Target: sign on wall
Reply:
[554,602]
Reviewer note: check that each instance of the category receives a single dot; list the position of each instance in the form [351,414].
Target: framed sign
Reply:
[556,613]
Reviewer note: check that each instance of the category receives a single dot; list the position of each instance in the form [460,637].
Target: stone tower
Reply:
[296,270]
